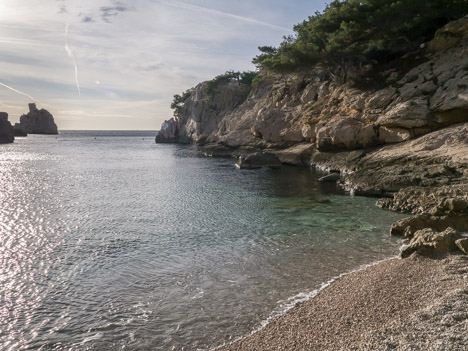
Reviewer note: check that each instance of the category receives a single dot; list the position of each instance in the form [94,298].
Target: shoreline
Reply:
[301,298]
[389,304]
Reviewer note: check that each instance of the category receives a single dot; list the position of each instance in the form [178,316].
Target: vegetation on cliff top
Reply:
[179,100]
[346,33]
[359,32]
[244,81]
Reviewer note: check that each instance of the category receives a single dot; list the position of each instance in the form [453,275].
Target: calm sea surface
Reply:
[109,241]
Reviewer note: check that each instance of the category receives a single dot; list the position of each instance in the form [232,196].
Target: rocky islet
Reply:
[38,121]
[34,122]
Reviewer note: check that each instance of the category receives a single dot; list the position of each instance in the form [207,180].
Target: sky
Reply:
[116,64]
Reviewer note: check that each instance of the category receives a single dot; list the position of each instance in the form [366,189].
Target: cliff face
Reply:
[399,133]
[6,130]
[200,117]
[393,106]
[38,121]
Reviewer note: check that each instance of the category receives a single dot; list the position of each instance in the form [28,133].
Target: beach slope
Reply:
[417,303]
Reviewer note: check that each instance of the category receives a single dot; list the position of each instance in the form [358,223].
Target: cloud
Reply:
[19,41]
[150,67]
[112,11]
[87,19]
[62,7]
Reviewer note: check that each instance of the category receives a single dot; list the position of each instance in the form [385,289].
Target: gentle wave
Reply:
[294,301]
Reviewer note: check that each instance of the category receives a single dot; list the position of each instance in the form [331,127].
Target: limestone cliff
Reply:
[38,121]
[398,132]
[419,93]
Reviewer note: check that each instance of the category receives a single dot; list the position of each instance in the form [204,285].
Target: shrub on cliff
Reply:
[243,79]
[359,32]
[179,100]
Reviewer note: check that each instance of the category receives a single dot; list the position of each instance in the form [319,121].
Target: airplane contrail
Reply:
[184,5]
[70,54]
[17,91]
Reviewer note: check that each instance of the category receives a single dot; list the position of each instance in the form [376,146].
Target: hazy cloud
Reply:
[133,67]
[214,12]
[86,19]
[62,7]
[112,11]
[150,67]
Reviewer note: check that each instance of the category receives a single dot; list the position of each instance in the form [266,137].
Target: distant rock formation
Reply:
[38,121]
[6,130]
[19,130]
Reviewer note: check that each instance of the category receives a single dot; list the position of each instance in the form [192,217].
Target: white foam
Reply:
[286,305]
[93,337]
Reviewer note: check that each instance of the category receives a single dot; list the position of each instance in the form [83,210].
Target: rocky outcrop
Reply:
[19,130]
[6,130]
[399,132]
[201,115]
[38,121]
[258,160]
[430,243]
[330,178]
[425,91]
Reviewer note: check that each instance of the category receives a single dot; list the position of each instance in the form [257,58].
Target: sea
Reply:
[109,241]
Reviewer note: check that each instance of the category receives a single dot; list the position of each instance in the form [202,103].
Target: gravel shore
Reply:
[412,304]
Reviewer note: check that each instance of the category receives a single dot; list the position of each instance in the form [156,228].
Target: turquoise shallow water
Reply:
[109,241]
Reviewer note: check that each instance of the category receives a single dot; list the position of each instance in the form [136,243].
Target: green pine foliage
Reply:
[359,31]
[179,100]
[243,79]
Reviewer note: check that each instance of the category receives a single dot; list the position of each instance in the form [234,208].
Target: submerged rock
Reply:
[6,130]
[258,160]
[38,121]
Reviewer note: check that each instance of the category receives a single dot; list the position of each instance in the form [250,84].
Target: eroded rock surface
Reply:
[258,160]
[401,134]
[316,109]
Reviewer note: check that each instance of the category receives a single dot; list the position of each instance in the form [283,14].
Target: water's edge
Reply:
[296,300]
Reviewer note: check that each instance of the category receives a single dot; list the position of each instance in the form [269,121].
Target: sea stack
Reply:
[19,130]
[6,130]
[38,121]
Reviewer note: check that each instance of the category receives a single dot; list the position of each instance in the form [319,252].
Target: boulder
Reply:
[297,155]
[258,160]
[344,133]
[428,242]
[6,130]
[409,114]
[407,227]
[309,95]
[38,121]
[452,34]
[393,135]
[381,98]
